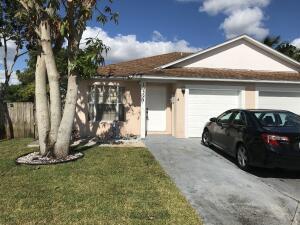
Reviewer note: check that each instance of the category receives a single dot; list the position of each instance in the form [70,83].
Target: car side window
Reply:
[225,118]
[268,119]
[239,119]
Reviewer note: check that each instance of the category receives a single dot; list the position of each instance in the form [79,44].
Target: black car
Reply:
[259,138]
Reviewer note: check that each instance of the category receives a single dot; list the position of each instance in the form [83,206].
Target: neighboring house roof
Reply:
[242,37]
[165,66]
[140,66]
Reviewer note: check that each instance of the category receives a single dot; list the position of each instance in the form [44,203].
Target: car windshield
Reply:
[277,119]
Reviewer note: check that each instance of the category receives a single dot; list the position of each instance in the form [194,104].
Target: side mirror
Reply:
[214,119]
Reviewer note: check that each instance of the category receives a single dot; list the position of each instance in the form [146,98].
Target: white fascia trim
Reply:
[245,37]
[218,79]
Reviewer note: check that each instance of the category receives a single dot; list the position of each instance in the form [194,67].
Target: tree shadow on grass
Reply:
[83,146]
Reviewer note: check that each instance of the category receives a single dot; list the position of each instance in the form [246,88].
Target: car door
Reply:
[220,129]
[235,131]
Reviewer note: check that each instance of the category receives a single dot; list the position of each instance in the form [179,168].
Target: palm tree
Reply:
[283,46]
[272,41]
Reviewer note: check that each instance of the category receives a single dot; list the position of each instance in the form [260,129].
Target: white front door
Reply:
[156,99]
[204,104]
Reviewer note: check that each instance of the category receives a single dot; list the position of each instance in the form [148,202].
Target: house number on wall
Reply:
[143,92]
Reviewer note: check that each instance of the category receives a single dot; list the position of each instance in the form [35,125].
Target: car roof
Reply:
[260,110]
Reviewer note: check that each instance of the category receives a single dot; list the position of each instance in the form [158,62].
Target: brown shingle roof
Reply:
[140,66]
[146,66]
[227,74]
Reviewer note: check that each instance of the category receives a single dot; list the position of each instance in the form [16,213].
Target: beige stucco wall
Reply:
[132,109]
[179,103]
[250,96]
[239,55]
[175,110]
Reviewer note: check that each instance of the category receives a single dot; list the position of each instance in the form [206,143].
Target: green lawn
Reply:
[107,186]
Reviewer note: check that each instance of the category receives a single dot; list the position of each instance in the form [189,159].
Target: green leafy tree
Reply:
[52,21]
[12,33]
[88,64]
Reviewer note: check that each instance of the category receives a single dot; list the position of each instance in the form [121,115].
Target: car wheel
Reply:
[206,138]
[242,157]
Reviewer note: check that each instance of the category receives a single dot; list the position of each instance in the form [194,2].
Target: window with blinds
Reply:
[106,103]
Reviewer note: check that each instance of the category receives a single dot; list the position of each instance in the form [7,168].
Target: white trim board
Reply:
[154,78]
[150,78]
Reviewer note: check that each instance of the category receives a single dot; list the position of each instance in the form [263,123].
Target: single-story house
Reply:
[177,93]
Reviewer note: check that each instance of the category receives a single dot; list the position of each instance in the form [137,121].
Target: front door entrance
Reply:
[156,100]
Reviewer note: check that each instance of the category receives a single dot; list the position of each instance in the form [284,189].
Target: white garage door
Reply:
[279,100]
[204,104]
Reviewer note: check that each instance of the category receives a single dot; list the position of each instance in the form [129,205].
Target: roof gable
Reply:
[241,53]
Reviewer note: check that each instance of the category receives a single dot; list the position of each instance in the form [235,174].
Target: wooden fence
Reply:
[18,119]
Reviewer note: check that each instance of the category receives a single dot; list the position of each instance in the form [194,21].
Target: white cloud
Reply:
[296,42]
[13,78]
[242,16]
[247,21]
[11,51]
[127,47]
[214,7]
[157,36]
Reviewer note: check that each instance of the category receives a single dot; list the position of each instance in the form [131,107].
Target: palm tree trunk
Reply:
[42,110]
[61,148]
[53,78]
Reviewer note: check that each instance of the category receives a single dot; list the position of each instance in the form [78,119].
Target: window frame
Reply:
[92,101]
[277,118]
[243,115]
[225,113]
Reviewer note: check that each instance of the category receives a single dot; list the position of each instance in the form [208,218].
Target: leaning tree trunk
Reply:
[53,78]
[61,148]
[42,110]
[2,117]
[5,118]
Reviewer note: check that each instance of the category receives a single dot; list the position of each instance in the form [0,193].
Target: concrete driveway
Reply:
[221,192]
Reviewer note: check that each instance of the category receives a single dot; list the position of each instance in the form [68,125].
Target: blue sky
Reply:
[150,27]
[160,26]
[182,20]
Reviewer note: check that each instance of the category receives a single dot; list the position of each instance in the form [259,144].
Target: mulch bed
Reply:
[35,158]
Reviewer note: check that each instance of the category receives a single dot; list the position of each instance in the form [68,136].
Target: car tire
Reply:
[206,138]
[242,157]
